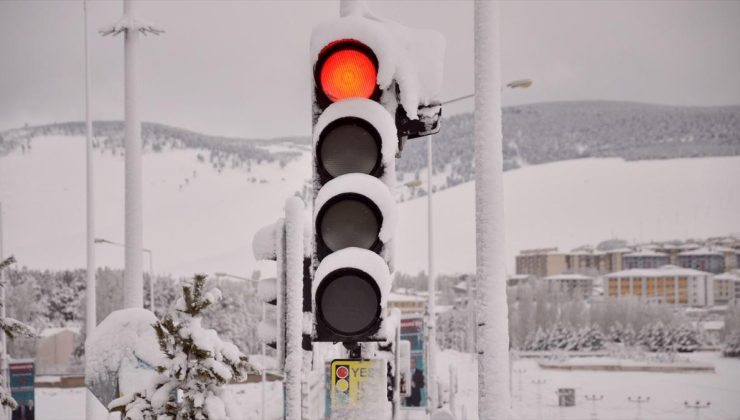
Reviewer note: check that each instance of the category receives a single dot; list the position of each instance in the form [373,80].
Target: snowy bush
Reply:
[622,334]
[198,363]
[657,337]
[12,328]
[565,337]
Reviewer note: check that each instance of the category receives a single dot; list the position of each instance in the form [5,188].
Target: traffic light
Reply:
[355,142]
[267,245]
[375,85]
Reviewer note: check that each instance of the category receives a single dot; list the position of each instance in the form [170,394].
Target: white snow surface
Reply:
[411,57]
[118,344]
[208,225]
[365,185]
[263,243]
[267,289]
[668,391]
[378,117]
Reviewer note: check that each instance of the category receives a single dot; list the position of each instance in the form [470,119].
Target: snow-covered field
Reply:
[199,220]
[667,392]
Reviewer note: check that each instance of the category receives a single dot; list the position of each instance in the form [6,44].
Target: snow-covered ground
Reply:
[199,220]
[667,392]
[69,403]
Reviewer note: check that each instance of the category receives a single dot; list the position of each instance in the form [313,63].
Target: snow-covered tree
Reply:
[684,339]
[197,363]
[590,339]
[732,345]
[11,328]
[619,333]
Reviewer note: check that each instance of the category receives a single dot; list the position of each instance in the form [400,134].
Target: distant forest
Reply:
[533,134]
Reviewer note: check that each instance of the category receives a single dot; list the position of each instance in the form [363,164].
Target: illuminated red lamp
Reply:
[346,69]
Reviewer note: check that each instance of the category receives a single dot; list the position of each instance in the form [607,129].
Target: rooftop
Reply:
[568,277]
[666,270]
[646,253]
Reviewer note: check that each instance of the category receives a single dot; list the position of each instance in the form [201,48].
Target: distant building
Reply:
[668,284]
[54,350]
[645,259]
[540,262]
[727,289]
[575,285]
[408,304]
[703,259]
[586,260]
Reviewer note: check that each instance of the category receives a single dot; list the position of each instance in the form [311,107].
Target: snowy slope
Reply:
[197,219]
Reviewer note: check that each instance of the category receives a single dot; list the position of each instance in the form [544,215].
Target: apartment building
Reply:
[703,259]
[645,259]
[668,284]
[727,289]
[541,262]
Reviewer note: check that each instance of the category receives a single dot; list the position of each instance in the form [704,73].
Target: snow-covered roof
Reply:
[646,253]
[568,277]
[701,251]
[397,297]
[666,270]
[538,251]
[48,332]
[619,250]
[727,276]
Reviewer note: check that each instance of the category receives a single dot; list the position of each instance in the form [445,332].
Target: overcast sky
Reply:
[241,68]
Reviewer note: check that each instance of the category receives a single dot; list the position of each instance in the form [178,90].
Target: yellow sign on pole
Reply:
[353,381]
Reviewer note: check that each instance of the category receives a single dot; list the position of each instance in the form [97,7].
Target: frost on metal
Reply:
[267,289]
[413,58]
[365,185]
[121,351]
[376,116]
[294,255]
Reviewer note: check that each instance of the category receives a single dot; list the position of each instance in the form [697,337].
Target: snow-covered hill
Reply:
[200,218]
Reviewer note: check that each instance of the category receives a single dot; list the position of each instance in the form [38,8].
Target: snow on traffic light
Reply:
[375,86]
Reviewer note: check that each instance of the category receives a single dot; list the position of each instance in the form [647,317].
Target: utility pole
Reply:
[494,395]
[431,288]
[133,290]
[90,293]
[3,338]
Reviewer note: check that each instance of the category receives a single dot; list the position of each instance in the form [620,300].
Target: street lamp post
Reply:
[132,27]
[151,265]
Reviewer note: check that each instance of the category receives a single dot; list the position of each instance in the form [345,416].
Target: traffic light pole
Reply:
[3,338]
[494,395]
[293,306]
[431,289]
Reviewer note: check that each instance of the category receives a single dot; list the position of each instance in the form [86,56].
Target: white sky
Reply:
[241,68]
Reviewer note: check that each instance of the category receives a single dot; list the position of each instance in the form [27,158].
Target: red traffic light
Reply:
[346,69]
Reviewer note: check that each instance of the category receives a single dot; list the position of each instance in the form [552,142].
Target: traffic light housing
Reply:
[355,142]
[375,85]
[268,245]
